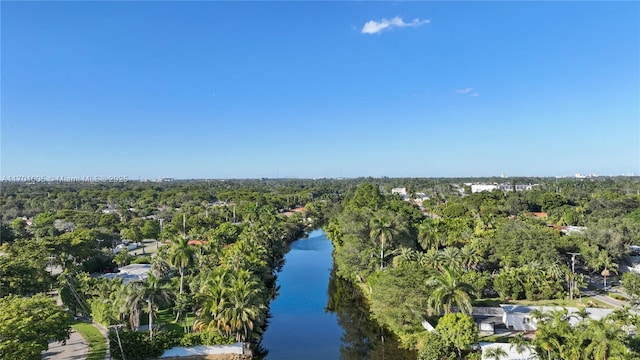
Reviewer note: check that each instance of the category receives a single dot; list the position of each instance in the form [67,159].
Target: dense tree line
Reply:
[218,288]
[420,264]
[434,260]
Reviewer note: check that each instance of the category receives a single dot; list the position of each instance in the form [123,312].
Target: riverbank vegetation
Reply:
[219,244]
[216,248]
[416,265]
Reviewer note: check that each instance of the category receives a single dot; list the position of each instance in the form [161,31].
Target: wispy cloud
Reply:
[375,27]
[468,91]
[464,91]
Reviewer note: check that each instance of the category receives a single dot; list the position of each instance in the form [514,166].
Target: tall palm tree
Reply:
[494,352]
[181,255]
[214,299]
[382,231]
[607,340]
[154,293]
[245,307]
[134,299]
[232,305]
[608,266]
[449,290]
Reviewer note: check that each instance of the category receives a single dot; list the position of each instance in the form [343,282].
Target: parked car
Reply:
[128,247]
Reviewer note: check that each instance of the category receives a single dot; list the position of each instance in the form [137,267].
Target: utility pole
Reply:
[184,225]
[573,271]
[116,327]
[159,235]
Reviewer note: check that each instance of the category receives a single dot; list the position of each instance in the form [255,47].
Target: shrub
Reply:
[205,338]
[618,297]
[137,346]
[144,259]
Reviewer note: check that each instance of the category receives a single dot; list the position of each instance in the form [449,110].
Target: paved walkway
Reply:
[75,349]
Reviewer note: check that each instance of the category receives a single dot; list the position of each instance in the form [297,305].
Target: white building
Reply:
[476,188]
[129,273]
[518,317]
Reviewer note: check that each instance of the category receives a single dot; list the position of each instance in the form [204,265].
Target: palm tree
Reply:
[431,234]
[181,255]
[494,352]
[245,307]
[582,314]
[450,290]
[554,333]
[432,259]
[231,305]
[383,230]
[214,298]
[134,299]
[470,256]
[520,343]
[154,293]
[608,266]
[607,340]
[555,271]
[623,318]
[452,256]
[405,255]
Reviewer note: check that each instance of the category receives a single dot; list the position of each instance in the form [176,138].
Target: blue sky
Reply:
[315,89]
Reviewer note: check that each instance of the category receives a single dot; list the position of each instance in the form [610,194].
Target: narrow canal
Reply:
[317,316]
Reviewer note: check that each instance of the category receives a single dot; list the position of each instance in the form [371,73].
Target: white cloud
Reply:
[464,91]
[374,27]
[475,94]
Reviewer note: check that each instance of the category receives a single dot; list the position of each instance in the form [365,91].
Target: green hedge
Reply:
[137,346]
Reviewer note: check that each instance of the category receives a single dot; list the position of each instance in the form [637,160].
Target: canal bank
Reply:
[320,316]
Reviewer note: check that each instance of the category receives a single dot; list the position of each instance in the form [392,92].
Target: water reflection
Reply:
[320,316]
[362,337]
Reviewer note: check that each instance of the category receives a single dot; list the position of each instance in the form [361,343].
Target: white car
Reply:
[127,247]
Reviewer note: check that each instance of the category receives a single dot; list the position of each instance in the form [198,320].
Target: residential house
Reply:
[519,318]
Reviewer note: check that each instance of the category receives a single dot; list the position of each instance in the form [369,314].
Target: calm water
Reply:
[320,317]
[300,327]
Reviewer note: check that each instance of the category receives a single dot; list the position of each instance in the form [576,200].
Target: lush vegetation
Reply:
[94,338]
[27,324]
[220,245]
[217,288]
[607,338]
[458,248]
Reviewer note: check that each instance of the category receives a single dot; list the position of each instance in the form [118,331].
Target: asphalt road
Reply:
[75,349]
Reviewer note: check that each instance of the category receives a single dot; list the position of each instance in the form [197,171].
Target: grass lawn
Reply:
[495,338]
[584,302]
[166,318]
[93,337]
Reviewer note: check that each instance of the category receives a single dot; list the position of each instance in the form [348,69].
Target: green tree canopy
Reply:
[458,330]
[27,324]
